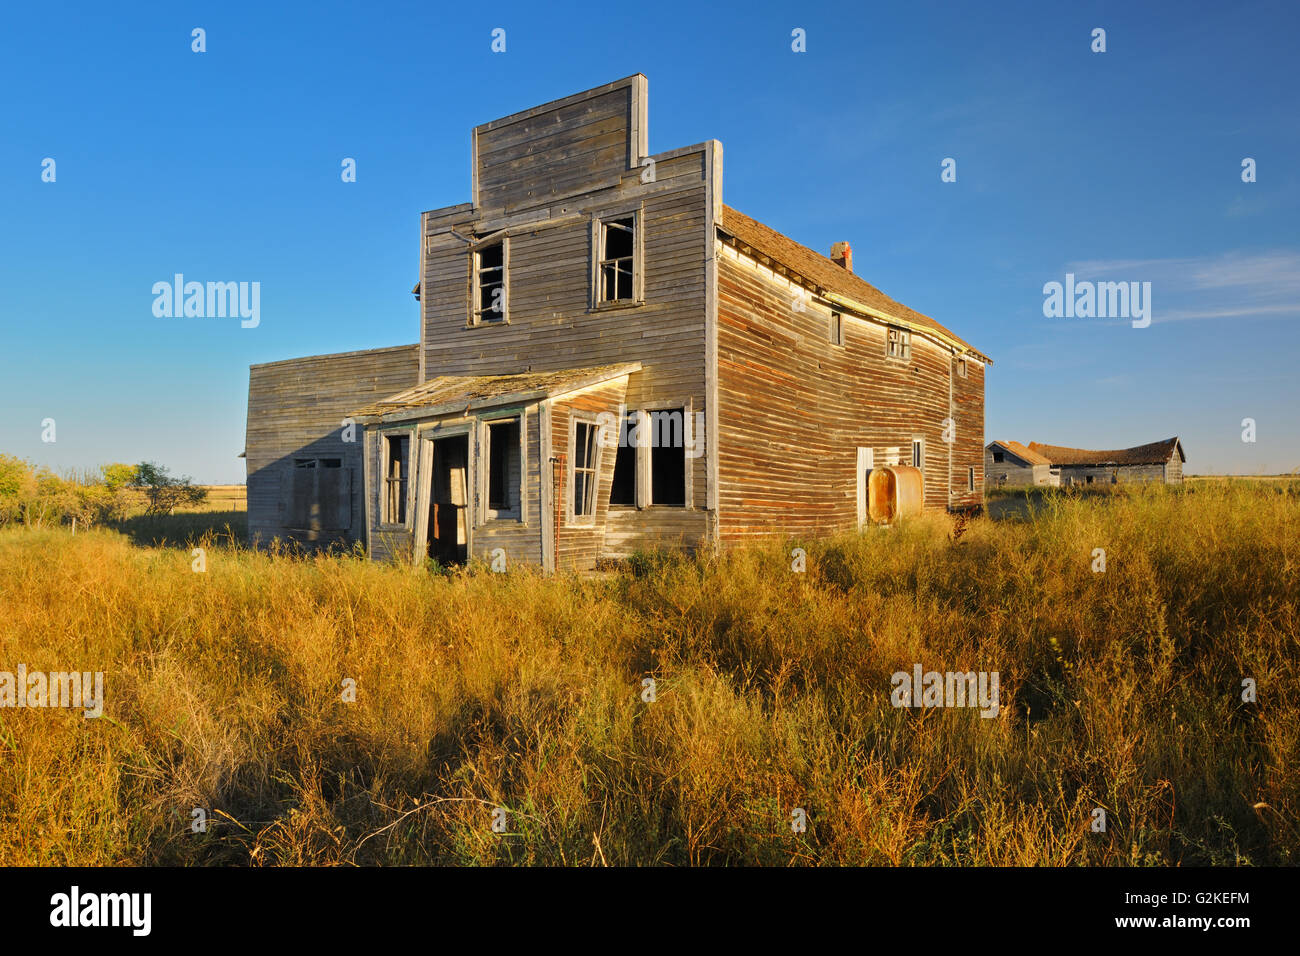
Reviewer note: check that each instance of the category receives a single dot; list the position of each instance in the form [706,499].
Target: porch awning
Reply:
[463,393]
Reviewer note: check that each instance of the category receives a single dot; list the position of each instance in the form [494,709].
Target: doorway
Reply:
[449,500]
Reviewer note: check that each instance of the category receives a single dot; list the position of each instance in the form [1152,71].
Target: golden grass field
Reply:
[1119,690]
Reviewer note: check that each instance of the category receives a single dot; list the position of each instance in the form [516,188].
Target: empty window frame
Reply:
[970,479]
[504,468]
[395,457]
[837,328]
[616,263]
[668,457]
[998,457]
[898,343]
[490,283]
[918,453]
[584,465]
[622,490]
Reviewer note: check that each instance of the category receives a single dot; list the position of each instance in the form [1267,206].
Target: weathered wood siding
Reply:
[1111,474]
[545,175]
[794,408]
[580,544]
[295,410]
[1014,472]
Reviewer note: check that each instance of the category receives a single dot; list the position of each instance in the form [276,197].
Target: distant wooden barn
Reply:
[1011,463]
[611,358]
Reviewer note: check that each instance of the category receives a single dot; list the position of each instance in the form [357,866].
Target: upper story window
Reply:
[616,264]
[998,457]
[961,368]
[490,283]
[837,328]
[898,343]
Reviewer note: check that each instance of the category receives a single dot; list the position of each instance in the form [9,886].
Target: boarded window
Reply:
[503,469]
[617,259]
[320,499]
[898,343]
[837,329]
[396,450]
[623,489]
[490,283]
[585,474]
[668,457]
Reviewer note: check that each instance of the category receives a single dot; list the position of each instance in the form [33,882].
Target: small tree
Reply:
[165,491]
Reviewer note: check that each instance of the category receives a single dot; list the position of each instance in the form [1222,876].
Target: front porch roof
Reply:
[448,394]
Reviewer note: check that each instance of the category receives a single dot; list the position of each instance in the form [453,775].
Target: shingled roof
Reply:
[1023,453]
[1156,453]
[456,392]
[830,276]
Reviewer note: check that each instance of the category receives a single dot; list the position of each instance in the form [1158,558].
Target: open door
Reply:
[448,498]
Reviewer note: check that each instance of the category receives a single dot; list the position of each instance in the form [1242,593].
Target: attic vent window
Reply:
[490,283]
[998,457]
[899,343]
[617,260]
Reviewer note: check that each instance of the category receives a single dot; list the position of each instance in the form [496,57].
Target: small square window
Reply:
[898,343]
[998,457]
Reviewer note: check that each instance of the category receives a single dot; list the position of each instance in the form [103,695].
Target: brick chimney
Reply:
[842,255]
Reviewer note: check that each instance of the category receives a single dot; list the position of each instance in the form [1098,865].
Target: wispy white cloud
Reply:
[1234,285]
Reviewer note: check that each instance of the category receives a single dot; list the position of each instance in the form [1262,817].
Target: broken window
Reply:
[899,342]
[396,451]
[837,329]
[623,489]
[503,469]
[668,457]
[320,495]
[998,456]
[918,453]
[585,474]
[617,259]
[490,283]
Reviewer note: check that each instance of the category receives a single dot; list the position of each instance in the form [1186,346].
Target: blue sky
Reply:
[1123,165]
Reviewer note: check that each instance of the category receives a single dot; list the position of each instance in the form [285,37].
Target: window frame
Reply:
[598,261]
[918,444]
[385,518]
[477,315]
[486,512]
[898,334]
[998,457]
[582,420]
[837,329]
[970,478]
[645,453]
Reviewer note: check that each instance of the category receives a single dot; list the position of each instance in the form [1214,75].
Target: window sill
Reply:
[616,306]
[487,324]
[392,527]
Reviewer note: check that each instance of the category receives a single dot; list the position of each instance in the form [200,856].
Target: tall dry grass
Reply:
[475,690]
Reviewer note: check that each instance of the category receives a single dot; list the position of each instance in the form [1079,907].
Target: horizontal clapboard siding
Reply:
[295,410]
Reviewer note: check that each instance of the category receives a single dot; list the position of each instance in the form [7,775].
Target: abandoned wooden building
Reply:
[611,358]
[1010,463]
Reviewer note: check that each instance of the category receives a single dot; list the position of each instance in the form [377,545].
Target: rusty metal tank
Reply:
[894,492]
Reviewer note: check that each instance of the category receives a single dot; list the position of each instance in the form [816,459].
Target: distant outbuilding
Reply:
[1011,463]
